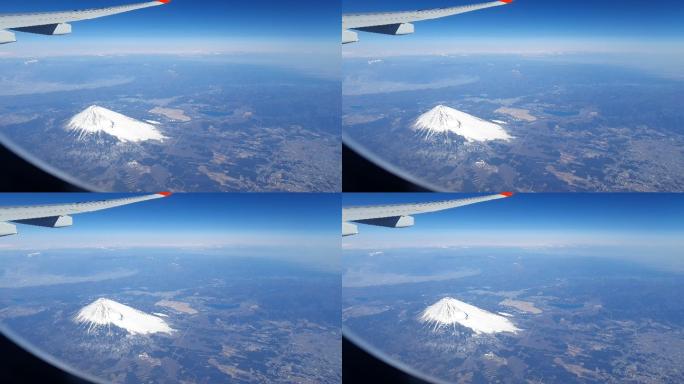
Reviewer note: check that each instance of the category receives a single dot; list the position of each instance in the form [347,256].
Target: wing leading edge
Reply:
[56,23]
[59,215]
[399,23]
[401,215]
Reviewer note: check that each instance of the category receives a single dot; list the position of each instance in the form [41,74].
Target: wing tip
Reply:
[506,194]
[506,1]
[164,1]
[165,194]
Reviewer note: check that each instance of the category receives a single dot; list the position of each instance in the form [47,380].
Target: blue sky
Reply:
[532,18]
[295,221]
[537,25]
[535,220]
[185,26]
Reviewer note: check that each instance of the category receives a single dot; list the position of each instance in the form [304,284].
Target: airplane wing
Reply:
[58,215]
[399,23]
[399,215]
[56,23]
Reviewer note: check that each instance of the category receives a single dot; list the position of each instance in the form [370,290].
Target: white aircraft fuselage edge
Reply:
[401,215]
[400,23]
[59,215]
[57,23]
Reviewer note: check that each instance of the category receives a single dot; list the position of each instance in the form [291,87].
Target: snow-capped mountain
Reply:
[105,313]
[449,312]
[445,120]
[96,120]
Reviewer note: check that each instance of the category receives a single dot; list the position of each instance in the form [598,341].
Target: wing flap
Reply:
[390,222]
[52,29]
[49,222]
[391,29]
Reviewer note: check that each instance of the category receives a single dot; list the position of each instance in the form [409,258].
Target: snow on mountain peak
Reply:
[449,312]
[444,120]
[96,120]
[105,313]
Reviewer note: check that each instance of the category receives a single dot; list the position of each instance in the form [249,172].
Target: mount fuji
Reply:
[105,313]
[96,120]
[445,120]
[449,312]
